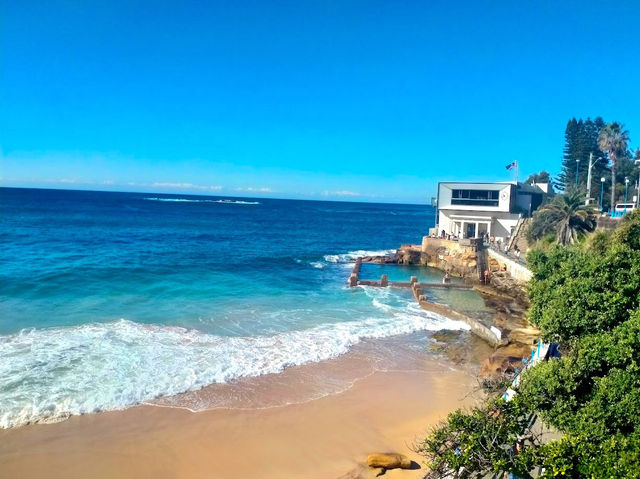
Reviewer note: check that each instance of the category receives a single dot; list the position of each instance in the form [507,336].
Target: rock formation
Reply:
[388,460]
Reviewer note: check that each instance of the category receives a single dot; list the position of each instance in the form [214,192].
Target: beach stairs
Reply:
[539,353]
[519,237]
[483,264]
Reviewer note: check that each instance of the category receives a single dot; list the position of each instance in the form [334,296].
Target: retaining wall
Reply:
[515,270]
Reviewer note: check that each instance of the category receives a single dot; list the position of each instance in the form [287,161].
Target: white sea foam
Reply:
[50,374]
[185,200]
[351,256]
[317,264]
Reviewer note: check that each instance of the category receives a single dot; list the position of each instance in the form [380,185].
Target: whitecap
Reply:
[186,200]
[351,256]
[50,374]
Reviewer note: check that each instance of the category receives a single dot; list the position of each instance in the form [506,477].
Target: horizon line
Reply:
[213,196]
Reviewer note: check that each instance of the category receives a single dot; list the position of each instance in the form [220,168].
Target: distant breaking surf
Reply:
[185,200]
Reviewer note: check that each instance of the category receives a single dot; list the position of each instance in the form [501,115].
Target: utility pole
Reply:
[591,165]
[589,179]
[626,190]
[637,162]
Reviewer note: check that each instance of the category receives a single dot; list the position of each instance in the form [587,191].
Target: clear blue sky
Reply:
[359,100]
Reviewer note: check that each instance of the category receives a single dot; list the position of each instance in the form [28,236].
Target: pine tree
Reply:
[581,143]
[567,173]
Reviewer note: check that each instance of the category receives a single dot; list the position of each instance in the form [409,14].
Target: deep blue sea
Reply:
[112,299]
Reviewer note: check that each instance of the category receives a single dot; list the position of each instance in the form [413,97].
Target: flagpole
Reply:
[517,166]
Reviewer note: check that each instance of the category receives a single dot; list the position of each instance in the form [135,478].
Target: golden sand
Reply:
[321,438]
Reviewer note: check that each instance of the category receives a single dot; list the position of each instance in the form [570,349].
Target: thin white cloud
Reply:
[340,193]
[187,186]
[252,189]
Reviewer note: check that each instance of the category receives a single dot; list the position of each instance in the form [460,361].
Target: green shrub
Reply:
[594,391]
[575,292]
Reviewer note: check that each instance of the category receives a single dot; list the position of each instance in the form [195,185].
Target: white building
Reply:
[469,210]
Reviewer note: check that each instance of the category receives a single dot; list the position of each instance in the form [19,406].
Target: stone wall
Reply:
[490,334]
[459,258]
[607,223]
[515,270]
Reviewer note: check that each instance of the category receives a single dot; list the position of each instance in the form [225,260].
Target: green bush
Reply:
[575,292]
[617,457]
[595,390]
[628,233]
[481,441]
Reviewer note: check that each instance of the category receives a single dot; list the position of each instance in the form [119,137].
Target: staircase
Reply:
[519,237]
[482,263]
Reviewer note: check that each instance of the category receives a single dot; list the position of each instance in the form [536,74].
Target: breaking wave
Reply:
[51,374]
[351,256]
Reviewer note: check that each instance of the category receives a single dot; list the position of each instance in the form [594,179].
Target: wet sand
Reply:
[327,437]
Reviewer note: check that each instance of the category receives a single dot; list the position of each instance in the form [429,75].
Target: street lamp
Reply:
[626,189]
[591,165]
[577,166]
[602,180]
[637,162]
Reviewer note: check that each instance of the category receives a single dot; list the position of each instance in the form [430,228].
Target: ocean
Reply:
[108,300]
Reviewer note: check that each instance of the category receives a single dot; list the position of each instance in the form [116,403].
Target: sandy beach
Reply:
[328,437]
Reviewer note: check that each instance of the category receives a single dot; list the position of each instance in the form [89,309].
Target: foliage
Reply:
[628,233]
[597,242]
[591,391]
[480,441]
[593,395]
[575,292]
[613,139]
[566,215]
[541,177]
[581,141]
[617,457]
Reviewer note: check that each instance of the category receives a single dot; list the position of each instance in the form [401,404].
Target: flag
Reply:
[511,165]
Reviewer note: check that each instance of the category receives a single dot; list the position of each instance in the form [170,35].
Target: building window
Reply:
[475,197]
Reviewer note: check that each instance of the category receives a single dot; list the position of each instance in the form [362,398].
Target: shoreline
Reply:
[323,437]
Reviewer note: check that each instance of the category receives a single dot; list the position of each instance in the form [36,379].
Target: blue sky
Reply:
[355,100]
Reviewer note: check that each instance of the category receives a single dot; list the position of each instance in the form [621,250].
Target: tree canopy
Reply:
[566,215]
[613,139]
[581,143]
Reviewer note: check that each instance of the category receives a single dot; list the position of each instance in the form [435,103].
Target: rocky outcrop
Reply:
[505,360]
[409,254]
[386,259]
[458,258]
[502,282]
[388,460]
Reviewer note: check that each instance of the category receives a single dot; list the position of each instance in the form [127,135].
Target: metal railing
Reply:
[507,254]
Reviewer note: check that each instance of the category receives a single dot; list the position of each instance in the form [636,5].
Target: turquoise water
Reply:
[112,299]
[465,301]
[402,273]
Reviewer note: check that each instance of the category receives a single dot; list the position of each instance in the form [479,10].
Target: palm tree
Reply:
[613,139]
[568,216]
